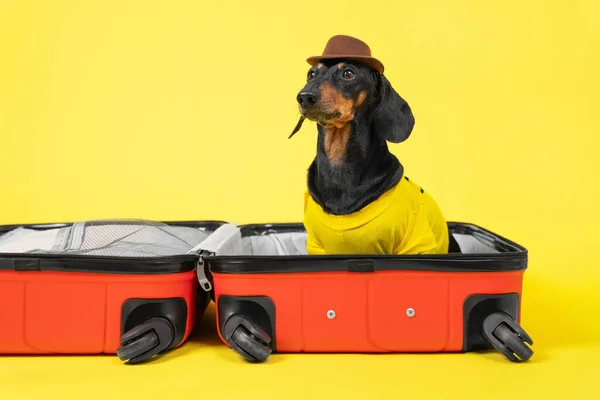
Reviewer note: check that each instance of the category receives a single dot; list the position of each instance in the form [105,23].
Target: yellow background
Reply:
[181,110]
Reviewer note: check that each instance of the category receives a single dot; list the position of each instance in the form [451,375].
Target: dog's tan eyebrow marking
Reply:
[319,65]
[340,65]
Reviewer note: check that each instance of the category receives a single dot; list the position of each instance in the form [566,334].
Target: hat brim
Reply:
[371,62]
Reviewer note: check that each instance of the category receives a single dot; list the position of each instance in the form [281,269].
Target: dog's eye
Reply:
[348,74]
[311,75]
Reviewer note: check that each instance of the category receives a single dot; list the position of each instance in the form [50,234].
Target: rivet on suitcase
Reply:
[272,297]
[124,287]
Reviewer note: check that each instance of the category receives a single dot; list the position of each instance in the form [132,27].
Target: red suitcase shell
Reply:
[85,299]
[371,304]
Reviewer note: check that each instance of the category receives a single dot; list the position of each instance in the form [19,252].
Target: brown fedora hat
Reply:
[350,48]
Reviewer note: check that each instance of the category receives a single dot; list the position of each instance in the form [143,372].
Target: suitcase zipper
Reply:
[218,241]
[201,272]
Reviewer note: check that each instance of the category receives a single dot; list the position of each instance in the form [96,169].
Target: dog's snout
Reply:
[307,99]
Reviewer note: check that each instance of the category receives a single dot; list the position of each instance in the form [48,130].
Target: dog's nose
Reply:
[307,99]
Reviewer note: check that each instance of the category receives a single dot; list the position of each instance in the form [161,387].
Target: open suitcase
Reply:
[272,297]
[124,287]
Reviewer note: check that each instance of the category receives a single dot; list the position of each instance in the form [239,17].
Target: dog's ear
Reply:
[393,117]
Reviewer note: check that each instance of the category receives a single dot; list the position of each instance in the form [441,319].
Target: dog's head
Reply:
[337,90]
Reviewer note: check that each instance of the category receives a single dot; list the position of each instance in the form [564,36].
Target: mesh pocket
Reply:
[117,238]
[131,239]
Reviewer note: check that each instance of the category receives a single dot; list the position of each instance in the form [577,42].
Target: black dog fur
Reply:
[368,168]
[364,168]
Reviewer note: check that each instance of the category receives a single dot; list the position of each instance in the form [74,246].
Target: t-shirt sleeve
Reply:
[312,245]
[306,195]
[313,248]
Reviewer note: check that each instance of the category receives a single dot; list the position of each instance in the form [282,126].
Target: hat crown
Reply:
[344,45]
[349,48]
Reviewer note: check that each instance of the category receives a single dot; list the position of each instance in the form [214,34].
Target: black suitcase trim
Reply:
[512,257]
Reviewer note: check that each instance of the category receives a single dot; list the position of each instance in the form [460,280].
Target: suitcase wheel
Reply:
[506,336]
[145,341]
[247,338]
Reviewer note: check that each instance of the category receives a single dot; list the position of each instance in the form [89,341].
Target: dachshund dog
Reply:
[358,199]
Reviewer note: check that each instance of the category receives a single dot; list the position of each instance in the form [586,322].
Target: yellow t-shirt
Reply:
[404,220]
